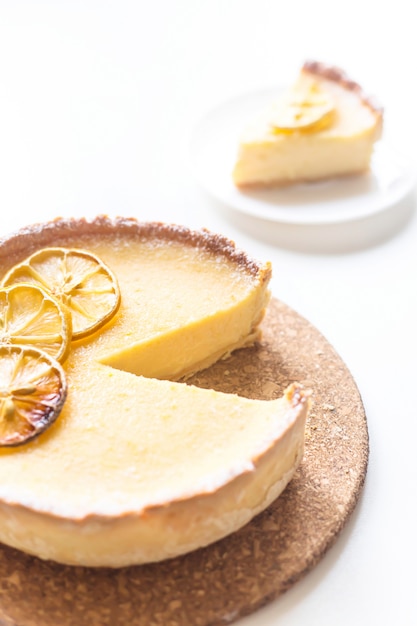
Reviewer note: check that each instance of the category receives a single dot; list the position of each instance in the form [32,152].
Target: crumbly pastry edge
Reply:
[338,75]
[49,233]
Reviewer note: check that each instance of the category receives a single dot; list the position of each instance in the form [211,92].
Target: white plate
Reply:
[214,144]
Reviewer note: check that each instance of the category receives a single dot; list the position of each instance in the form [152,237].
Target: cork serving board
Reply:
[235,576]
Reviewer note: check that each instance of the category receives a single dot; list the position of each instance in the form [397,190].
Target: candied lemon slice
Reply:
[77,278]
[32,392]
[31,316]
[309,110]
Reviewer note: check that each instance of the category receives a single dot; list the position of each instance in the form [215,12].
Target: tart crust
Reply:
[339,76]
[36,236]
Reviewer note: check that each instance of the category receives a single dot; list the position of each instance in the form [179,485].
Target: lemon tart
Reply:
[139,467]
[323,127]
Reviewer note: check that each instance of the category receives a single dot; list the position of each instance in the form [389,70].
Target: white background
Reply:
[97,104]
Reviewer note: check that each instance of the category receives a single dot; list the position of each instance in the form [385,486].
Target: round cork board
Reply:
[235,576]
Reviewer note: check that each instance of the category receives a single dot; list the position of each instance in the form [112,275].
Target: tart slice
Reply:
[138,469]
[323,127]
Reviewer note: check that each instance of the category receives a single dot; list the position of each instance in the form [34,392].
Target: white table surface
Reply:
[97,104]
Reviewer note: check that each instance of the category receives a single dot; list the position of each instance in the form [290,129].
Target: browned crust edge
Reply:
[41,234]
[338,75]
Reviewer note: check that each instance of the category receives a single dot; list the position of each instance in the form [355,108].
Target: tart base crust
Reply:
[279,182]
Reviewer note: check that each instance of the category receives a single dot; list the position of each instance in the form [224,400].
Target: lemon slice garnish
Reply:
[77,278]
[31,316]
[307,110]
[32,392]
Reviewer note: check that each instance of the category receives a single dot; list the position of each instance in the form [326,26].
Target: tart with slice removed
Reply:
[323,127]
[140,466]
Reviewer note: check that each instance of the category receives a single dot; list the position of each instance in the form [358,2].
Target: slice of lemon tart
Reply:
[135,466]
[323,127]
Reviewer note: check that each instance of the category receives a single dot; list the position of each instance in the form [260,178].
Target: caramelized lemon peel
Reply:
[33,390]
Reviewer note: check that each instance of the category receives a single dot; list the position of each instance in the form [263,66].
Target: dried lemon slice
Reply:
[309,111]
[31,316]
[32,392]
[77,278]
